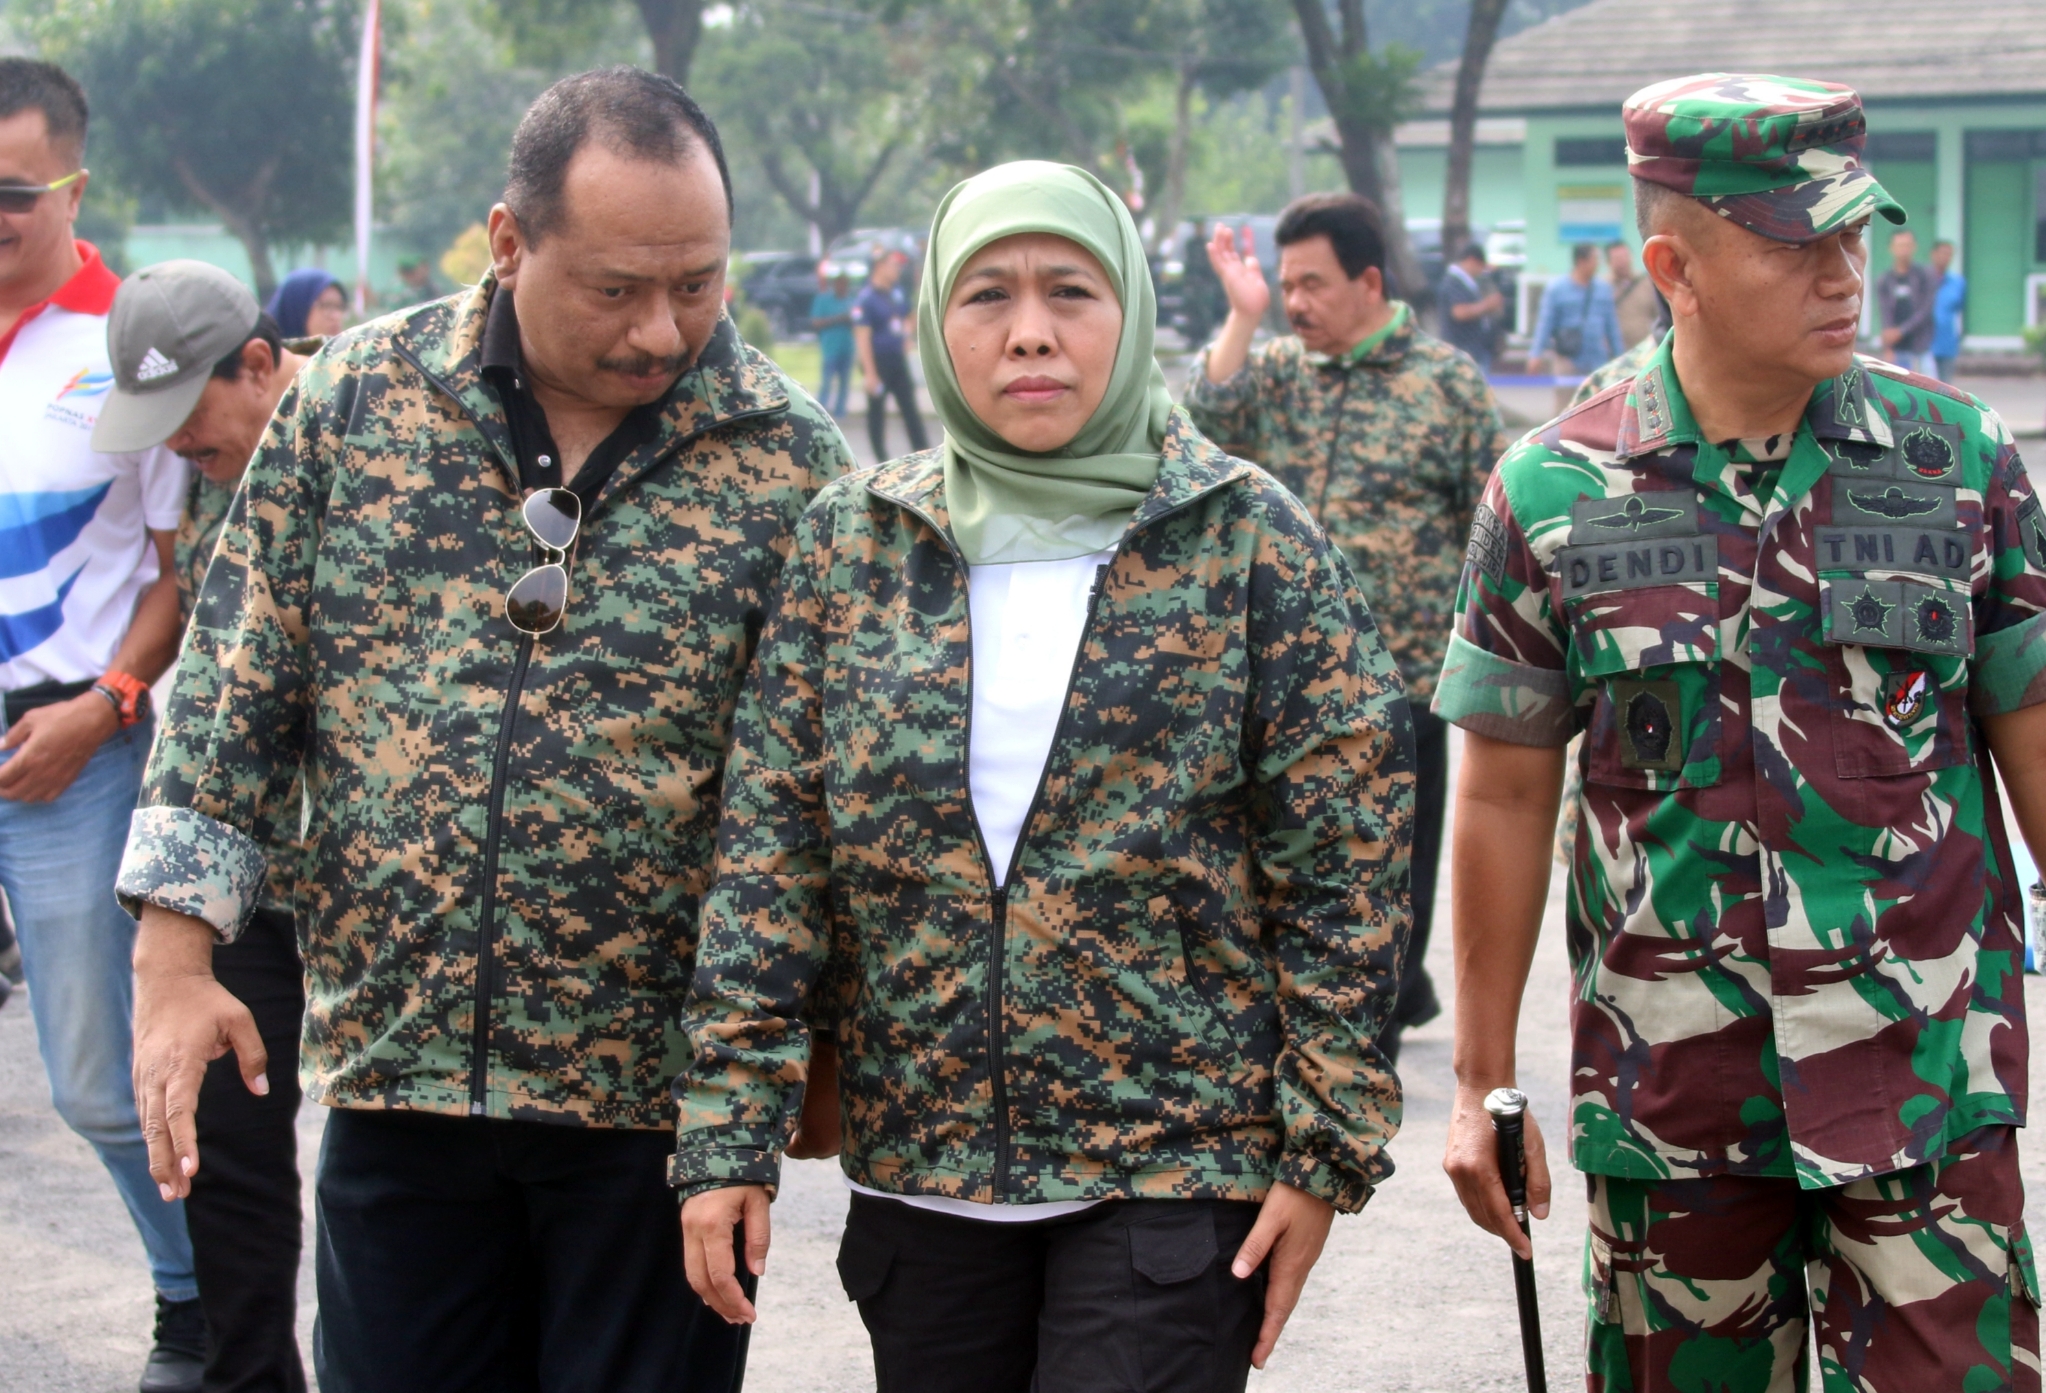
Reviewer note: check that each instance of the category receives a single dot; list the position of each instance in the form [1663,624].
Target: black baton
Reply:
[1508,1107]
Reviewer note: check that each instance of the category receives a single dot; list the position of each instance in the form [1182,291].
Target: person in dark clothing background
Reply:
[1471,306]
[1906,294]
[880,317]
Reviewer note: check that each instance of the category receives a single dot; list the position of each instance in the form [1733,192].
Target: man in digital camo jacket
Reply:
[493,581]
[1796,602]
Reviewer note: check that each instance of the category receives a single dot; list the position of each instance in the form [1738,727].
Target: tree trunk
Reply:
[1463,122]
[1370,165]
[1173,195]
[674,26]
[243,227]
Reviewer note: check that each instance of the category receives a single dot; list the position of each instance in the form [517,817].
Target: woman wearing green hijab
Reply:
[1067,817]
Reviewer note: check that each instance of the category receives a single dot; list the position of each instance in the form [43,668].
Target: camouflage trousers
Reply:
[1918,1280]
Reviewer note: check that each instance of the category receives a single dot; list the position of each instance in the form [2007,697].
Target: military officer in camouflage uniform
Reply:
[1387,434]
[1795,600]
[493,580]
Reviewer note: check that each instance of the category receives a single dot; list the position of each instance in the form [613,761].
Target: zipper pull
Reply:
[999,901]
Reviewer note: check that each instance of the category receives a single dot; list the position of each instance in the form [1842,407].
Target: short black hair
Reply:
[1583,251]
[1351,222]
[229,368]
[1620,242]
[1473,251]
[1651,202]
[26,84]
[634,112]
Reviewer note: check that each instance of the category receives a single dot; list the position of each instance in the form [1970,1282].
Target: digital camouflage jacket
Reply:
[1389,451]
[507,837]
[1176,992]
[1792,914]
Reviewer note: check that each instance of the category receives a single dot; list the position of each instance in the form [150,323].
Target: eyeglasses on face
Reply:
[21,198]
[536,604]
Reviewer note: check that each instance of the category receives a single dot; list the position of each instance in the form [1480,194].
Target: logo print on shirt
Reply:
[1929,454]
[1894,502]
[1935,620]
[153,366]
[1635,514]
[34,529]
[1870,612]
[85,383]
[1904,697]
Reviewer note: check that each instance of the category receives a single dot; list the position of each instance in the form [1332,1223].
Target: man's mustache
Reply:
[646,365]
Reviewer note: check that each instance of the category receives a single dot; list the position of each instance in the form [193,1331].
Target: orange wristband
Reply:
[129,695]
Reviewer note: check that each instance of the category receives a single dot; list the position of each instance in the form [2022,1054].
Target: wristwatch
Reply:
[128,695]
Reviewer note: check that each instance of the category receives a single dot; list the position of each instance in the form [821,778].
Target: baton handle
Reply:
[1508,1107]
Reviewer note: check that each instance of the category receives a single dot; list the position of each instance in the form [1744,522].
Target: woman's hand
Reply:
[818,1131]
[708,1220]
[1290,1229]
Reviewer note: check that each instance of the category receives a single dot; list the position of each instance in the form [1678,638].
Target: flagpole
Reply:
[365,149]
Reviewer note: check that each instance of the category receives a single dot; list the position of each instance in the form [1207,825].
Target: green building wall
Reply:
[1970,172]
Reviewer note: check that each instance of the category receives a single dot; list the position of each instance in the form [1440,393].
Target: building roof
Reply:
[1599,54]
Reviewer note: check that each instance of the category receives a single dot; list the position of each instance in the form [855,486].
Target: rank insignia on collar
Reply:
[1650,716]
[1905,695]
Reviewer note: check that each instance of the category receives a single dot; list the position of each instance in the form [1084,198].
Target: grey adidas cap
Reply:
[170,324]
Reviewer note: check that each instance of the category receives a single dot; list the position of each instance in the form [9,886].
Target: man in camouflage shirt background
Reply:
[511,719]
[1795,601]
[1387,434]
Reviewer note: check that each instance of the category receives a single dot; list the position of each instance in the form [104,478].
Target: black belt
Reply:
[26,699]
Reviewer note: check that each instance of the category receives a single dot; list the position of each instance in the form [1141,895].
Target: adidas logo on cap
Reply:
[153,366]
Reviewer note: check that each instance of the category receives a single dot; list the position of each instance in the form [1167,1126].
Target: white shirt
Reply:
[75,553]
[1027,620]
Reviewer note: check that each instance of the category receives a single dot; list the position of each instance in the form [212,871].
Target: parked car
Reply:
[859,247]
[780,285]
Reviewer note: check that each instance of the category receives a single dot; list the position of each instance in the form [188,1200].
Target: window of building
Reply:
[1591,150]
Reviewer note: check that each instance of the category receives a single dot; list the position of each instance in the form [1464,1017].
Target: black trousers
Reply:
[1129,1296]
[893,370]
[1418,1003]
[243,1212]
[474,1255]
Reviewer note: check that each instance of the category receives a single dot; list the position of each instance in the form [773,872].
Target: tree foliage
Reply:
[239,107]
[565,34]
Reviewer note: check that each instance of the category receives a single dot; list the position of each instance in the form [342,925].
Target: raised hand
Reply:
[1236,266]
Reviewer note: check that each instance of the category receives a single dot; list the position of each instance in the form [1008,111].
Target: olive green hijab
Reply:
[1011,506]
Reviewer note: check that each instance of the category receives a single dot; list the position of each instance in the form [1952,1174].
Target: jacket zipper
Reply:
[998,899]
[486,928]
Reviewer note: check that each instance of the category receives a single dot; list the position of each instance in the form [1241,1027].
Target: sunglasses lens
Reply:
[554,515]
[18,200]
[535,604]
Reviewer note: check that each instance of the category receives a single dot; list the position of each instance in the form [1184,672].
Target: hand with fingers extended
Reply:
[184,1020]
[1234,257]
[1287,1238]
[1472,1160]
[708,1256]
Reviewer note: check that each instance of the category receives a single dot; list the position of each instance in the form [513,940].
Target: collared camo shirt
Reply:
[507,836]
[1792,915]
[1177,991]
[1389,451]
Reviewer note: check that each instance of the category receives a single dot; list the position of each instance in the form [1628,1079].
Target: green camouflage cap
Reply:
[1781,156]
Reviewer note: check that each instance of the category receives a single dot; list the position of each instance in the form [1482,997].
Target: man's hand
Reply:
[184,1020]
[1290,1229]
[1243,280]
[51,744]
[707,1259]
[1472,1160]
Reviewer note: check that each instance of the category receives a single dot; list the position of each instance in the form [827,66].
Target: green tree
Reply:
[545,33]
[1217,48]
[1479,34]
[243,108]
[823,102]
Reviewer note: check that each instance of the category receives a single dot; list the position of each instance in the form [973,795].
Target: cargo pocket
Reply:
[2024,1272]
[1601,1294]
[1652,654]
[1176,1308]
[1897,655]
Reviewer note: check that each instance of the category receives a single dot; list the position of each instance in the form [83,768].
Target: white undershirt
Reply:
[1027,619]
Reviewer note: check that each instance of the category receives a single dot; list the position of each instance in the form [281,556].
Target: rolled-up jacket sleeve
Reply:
[234,730]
